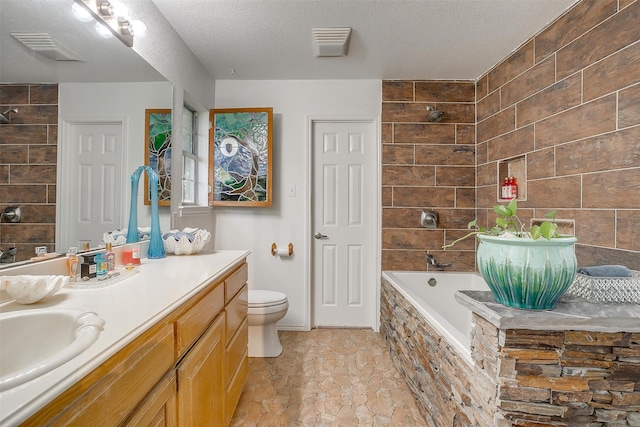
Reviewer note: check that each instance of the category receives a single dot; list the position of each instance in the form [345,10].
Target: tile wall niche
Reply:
[568,100]
[427,166]
[28,157]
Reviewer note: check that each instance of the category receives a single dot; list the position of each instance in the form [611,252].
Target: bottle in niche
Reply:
[111,258]
[514,188]
[505,190]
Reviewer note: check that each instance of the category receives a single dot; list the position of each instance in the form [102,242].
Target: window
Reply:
[190,155]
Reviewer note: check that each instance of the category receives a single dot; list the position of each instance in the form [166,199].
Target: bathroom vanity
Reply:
[178,320]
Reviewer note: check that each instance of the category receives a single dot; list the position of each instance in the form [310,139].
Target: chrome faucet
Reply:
[429,219]
[9,255]
[431,261]
[12,214]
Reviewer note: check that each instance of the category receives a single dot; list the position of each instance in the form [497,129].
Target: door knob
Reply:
[319,235]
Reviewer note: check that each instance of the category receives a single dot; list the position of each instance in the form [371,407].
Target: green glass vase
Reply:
[527,273]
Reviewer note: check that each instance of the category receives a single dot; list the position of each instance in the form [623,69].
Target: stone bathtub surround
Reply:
[574,369]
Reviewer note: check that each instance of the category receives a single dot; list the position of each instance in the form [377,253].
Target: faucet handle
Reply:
[429,219]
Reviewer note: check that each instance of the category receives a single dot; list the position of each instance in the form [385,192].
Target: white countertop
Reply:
[129,307]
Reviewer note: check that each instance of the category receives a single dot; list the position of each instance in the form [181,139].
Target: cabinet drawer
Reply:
[235,282]
[235,313]
[235,350]
[234,389]
[193,323]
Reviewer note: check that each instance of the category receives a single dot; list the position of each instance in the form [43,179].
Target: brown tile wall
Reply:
[28,157]
[569,101]
[426,166]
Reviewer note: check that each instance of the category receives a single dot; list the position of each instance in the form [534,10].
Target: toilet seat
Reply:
[264,298]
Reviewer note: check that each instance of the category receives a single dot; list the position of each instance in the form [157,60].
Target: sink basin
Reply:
[35,342]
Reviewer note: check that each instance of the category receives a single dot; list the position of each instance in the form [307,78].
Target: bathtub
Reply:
[437,303]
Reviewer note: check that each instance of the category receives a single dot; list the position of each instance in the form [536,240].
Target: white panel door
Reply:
[92,183]
[343,279]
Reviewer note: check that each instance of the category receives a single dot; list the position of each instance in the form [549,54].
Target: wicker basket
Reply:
[607,289]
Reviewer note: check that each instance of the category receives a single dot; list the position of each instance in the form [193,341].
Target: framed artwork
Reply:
[157,153]
[240,149]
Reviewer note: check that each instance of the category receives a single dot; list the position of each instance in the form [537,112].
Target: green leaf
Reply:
[501,222]
[502,210]
[473,224]
[513,207]
[535,232]
[548,229]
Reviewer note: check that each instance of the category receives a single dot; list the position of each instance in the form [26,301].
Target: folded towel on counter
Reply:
[605,271]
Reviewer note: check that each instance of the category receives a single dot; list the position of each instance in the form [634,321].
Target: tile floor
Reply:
[327,377]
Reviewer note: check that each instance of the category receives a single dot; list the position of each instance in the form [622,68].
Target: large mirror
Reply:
[100,82]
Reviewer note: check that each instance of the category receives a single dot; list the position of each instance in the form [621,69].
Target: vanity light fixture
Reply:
[81,13]
[112,16]
[103,31]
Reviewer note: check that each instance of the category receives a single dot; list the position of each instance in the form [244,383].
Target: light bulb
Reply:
[138,28]
[80,13]
[103,31]
[119,11]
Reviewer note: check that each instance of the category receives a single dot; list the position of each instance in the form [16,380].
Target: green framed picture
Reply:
[158,153]
[240,157]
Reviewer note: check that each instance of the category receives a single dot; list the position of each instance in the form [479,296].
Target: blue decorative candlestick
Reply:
[156,247]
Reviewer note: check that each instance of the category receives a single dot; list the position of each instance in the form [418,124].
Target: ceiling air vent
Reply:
[46,46]
[331,41]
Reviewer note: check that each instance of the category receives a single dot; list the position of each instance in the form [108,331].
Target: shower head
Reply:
[434,115]
[3,116]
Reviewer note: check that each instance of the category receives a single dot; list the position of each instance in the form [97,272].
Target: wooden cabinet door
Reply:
[159,408]
[201,388]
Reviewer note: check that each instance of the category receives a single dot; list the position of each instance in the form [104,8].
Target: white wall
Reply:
[120,101]
[255,229]
[163,48]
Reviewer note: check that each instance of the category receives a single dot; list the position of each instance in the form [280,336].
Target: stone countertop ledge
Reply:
[571,313]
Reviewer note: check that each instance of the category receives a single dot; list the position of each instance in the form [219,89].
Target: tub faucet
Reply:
[431,261]
[9,255]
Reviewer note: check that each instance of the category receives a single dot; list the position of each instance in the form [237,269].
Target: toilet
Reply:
[265,309]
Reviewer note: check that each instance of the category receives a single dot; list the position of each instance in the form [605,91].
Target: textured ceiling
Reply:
[272,39]
[391,39]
